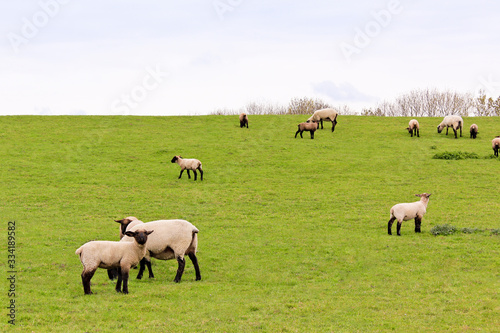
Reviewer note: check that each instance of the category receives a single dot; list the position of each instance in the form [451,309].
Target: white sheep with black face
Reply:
[455,122]
[324,114]
[473,131]
[113,255]
[243,120]
[495,144]
[407,211]
[173,239]
[413,128]
[188,164]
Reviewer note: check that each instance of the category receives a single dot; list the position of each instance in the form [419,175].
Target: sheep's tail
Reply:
[79,251]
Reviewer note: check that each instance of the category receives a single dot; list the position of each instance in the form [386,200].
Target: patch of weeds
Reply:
[443,229]
[457,155]
[471,230]
[490,157]
[433,147]
[495,232]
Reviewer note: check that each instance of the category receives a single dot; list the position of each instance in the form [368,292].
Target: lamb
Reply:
[473,131]
[413,128]
[407,211]
[172,239]
[188,164]
[243,120]
[310,127]
[455,122]
[495,144]
[324,114]
[113,255]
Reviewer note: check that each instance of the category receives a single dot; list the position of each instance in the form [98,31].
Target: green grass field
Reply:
[293,232]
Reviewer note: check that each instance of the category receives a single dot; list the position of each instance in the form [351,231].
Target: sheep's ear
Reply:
[418,195]
[119,221]
[130,233]
[149,232]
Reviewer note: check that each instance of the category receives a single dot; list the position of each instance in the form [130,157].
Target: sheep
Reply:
[473,131]
[243,120]
[188,164]
[455,122]
[310,127]
[413,128]
[407,211]
[324,114]
[116,255]
[172,239]
[127,223]
[495,144]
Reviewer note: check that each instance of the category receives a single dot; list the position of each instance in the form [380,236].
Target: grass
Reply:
[293,232]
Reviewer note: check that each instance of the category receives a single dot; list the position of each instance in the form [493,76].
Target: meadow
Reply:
[293,232]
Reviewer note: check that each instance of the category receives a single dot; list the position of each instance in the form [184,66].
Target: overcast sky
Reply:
[195,56]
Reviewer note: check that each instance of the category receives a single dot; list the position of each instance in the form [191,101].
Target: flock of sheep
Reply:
[173,239]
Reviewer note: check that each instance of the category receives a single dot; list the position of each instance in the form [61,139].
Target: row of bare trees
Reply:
[434,103]
[417,103]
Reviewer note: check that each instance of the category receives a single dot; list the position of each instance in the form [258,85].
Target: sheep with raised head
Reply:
[243,120]
[172,240]
[473,131]
[413,128]
[455,122]
[307,127]
[495,144]
[324,114]
[188,164]
[113,255]
[407,211]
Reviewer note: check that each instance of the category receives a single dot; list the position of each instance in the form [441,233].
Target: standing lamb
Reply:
[495,144]
[455,122]
[113,255]
[172,239]
[407,211]
[473,131]
[188,164]
[243,120]
[324,114]
[414,128]
[308,127]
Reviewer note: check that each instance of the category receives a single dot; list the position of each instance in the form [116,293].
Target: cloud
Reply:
[342,92]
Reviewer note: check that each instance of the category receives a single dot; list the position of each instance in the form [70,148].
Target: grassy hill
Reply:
[293,232]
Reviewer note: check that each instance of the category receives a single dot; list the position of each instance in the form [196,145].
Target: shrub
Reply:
[444,229]
[470,230]
[458,155]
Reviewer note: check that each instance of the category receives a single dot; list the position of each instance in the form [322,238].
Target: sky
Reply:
[193,57]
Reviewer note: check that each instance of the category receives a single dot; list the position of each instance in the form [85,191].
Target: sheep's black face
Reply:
[439,129]
[140,236]
[174,159]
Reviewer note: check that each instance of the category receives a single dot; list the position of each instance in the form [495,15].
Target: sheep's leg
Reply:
[455,131]
[301,135]
[193,258]
[418,222]
[182,170]
[143,264]
[418,133]
[194,171]
[86,276]
[112,273]
[125,280]
[321,121]
[180,269]
[312,134]
[446,130]
[389,225]
[118,286]
[201,173]
[399,228]
[297,133]
[189,175]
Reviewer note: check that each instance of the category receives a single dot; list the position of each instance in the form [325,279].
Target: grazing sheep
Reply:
[243,120]
[188,164]
[455,122]
[473,131]
[172,239]
[324,114]
[407,211]
[414,128]
[310,127]
[113,255]
[495,144]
